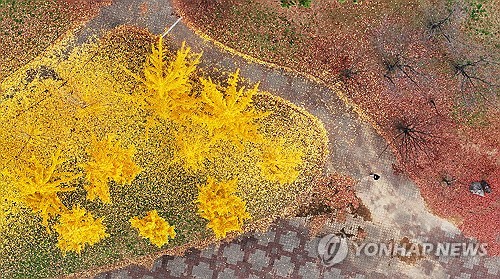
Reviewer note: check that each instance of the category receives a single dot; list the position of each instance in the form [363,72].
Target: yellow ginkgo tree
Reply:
[77,228]
[228,112]
[154,228]
[280,163]
[36,185]
[193,147]
[213,127]
[205,116]
[219,204]
[108,161]
[168,83]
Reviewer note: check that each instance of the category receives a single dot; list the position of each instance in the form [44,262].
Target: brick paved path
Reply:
[395,203]
[286,251]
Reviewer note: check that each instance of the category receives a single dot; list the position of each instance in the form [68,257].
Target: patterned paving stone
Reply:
[298,223]
[246,258]
[444,259]
[283,267]
[333,273]
[471,262]
[311,247]
[233,253]
[258,259]
[265,238]
[450,234]
[463,276]
[289,241]
[493,265]
[209,252]
[157,265]
[226,274]
[176,266]
[309,271]
[202,271]
[120,274]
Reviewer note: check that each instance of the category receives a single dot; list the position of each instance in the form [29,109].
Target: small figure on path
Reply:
[375,176]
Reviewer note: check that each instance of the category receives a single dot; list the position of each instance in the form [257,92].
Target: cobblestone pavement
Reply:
[396,207]
[286,251]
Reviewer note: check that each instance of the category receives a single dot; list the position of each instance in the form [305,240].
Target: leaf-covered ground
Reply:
[425,71]
[28,27]
[62,98]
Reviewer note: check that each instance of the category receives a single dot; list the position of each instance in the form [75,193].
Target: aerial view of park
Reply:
[205,139]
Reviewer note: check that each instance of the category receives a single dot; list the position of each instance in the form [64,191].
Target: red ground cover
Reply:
[27,27]
[429,85]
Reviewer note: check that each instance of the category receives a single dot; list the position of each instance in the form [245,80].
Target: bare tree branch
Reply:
[412,139]
[396,65]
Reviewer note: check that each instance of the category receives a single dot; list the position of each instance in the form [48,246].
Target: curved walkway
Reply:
[286,251]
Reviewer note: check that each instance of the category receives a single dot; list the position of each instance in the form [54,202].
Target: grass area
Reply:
[471,115]
[483,22]
[60,99]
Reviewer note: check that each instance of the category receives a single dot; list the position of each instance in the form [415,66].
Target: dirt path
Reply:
[395,203]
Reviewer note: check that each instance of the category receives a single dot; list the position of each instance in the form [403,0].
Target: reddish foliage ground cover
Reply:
[417,67]
[27,27]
